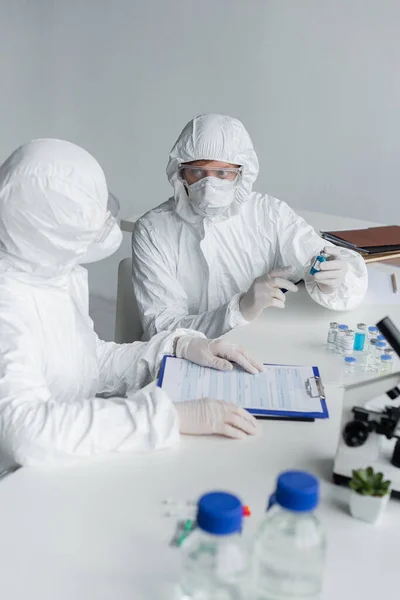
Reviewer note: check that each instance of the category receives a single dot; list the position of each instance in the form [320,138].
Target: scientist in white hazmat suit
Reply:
[53,217]
[216,254]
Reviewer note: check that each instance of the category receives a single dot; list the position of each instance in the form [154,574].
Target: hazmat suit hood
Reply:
[213,137]
[53,209]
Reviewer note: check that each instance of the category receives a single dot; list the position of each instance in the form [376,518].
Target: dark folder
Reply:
[373,240]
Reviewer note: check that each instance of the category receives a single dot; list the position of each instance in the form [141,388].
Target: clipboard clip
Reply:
[314,387]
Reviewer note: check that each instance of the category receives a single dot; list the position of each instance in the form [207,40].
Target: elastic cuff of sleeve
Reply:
[182,339]
[234,316]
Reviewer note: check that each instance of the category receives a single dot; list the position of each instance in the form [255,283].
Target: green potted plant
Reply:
[369,494]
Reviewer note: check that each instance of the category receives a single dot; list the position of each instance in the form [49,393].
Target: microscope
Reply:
[371,436]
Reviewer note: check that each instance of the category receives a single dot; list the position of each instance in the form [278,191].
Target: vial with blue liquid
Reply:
[316,266]
[360,336]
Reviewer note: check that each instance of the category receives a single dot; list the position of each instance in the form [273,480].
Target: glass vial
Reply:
[379,350]
[386,364]
[348,342]
[371,364]
[373,332]
[330,342]
[349,364]
[316,266]
[359,338]
[339,338]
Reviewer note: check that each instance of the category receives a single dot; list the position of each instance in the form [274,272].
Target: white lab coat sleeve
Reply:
[132,366]
[162,301]
[298,243]
[36,428]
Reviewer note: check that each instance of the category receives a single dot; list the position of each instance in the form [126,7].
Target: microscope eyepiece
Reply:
[356,433]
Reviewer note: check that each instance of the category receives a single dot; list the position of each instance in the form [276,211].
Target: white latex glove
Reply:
[217,354]
[266,291]
[206,417]
[332,271]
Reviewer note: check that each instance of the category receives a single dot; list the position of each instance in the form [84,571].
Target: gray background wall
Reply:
[315,81]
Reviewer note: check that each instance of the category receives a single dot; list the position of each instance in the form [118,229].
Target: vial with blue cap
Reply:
[350,364]
[289,550]
[316,266]
[373,332]
[379,350]
[386,364]
[214,557]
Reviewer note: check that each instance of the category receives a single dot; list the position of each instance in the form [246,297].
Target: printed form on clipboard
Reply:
[279,391]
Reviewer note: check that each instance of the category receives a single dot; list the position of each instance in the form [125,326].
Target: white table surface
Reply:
[97,531]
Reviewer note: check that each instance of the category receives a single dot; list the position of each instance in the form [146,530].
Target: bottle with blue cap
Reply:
[373,331]
[349,364]
[289,550]
[379,350]
[386,364]
[214,558]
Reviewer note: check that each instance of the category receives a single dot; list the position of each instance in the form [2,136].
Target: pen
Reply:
[297,283]
[394,283]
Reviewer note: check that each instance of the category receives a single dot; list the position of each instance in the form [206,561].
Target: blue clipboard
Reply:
[314,391]
[162,369]
[313,387]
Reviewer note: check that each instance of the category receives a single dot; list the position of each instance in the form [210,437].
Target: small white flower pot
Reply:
[367,508]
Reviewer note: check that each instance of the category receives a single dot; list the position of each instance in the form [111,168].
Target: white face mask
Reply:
[211,196]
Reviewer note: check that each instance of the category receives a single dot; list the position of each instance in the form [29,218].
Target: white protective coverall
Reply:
[53,198]
[190,270]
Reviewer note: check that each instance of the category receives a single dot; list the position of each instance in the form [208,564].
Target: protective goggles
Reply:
[111,217]
[113,205]
[191,174]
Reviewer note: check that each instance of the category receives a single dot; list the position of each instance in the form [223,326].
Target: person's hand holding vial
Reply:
[328,269]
